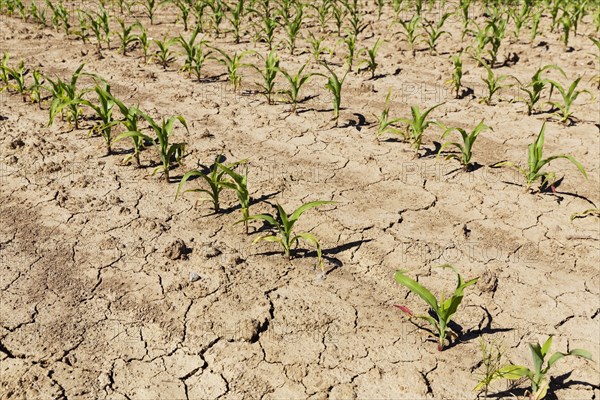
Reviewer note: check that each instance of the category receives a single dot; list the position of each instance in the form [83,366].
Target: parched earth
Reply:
[96,256]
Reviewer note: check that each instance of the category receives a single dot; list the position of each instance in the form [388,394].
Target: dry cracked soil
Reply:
[112,289]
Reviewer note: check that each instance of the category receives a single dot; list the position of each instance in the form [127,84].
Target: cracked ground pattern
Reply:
[96,300]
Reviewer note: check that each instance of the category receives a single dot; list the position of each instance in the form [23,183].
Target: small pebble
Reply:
[194,276]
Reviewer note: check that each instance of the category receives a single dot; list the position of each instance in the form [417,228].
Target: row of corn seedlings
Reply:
[66,99]
[263,19]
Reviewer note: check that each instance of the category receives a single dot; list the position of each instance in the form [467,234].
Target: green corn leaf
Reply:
[418,289]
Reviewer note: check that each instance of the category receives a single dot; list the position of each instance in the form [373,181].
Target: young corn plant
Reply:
[416,126]
[66,99]
[434,31]
[38,14]
[60,16]
[104,110]
[239,184]
[266,29]
[164,55]
[35,90]
[234,65]
[217,8]
[457,74]
[350,42]
[385,123]
[411,32]
[167,151]
[144,42]
[131,116]
[568,98]
[185,9]
[214,177]
[334,85]
[323,10]
[536,376]
[466,147]
[495,30]
[370,57]
[17,75]
[536,163]
[442,310]
[126,36]
[150,7]
[235,18]
[317,48]
[296,81]
[536,86]
[200,58]
[283,225]
[293,26]
[493,83]
[82,32]
[339,15]
[520,16]
[269,74]
[190,48]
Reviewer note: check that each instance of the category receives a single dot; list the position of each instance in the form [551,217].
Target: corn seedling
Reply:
[465,148]
[234,65]
[185,9]
[568,98]
[417,125]
[167,151]
[334,85]
[66,99]
[217,15]
[520,16]
[442,310]
[60,16]
[350,42]
[235,18]
[567,24]
[370,59]
[269,74]
[495,30]
[150,7]
[82,32]
[317,48]
[239,183]
[126,35]
[38,14]
[131,115]
[296,82]
[536,163]
[214,177]
[434,31]
[356,24]
[596,78]
[268,23]
[144,42]
[535,24]
[586,213]
[198,9]
[104,111]
[536,86]
[4,68]
[323,9]
[293,26]
[492,355]
[164,54]
[18,76]
[537,376]
[493,83]
[283,224]
[190,48]
[410,31]
[35,90]
[339,14]
[385,123]
[457,74]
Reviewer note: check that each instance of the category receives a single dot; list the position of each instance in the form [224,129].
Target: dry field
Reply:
[111,288]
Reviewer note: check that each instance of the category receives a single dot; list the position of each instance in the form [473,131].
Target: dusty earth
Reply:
[96,256]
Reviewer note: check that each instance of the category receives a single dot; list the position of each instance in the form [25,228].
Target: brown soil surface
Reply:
[95,291]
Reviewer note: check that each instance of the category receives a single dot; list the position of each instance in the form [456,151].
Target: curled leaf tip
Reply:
[405,309]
